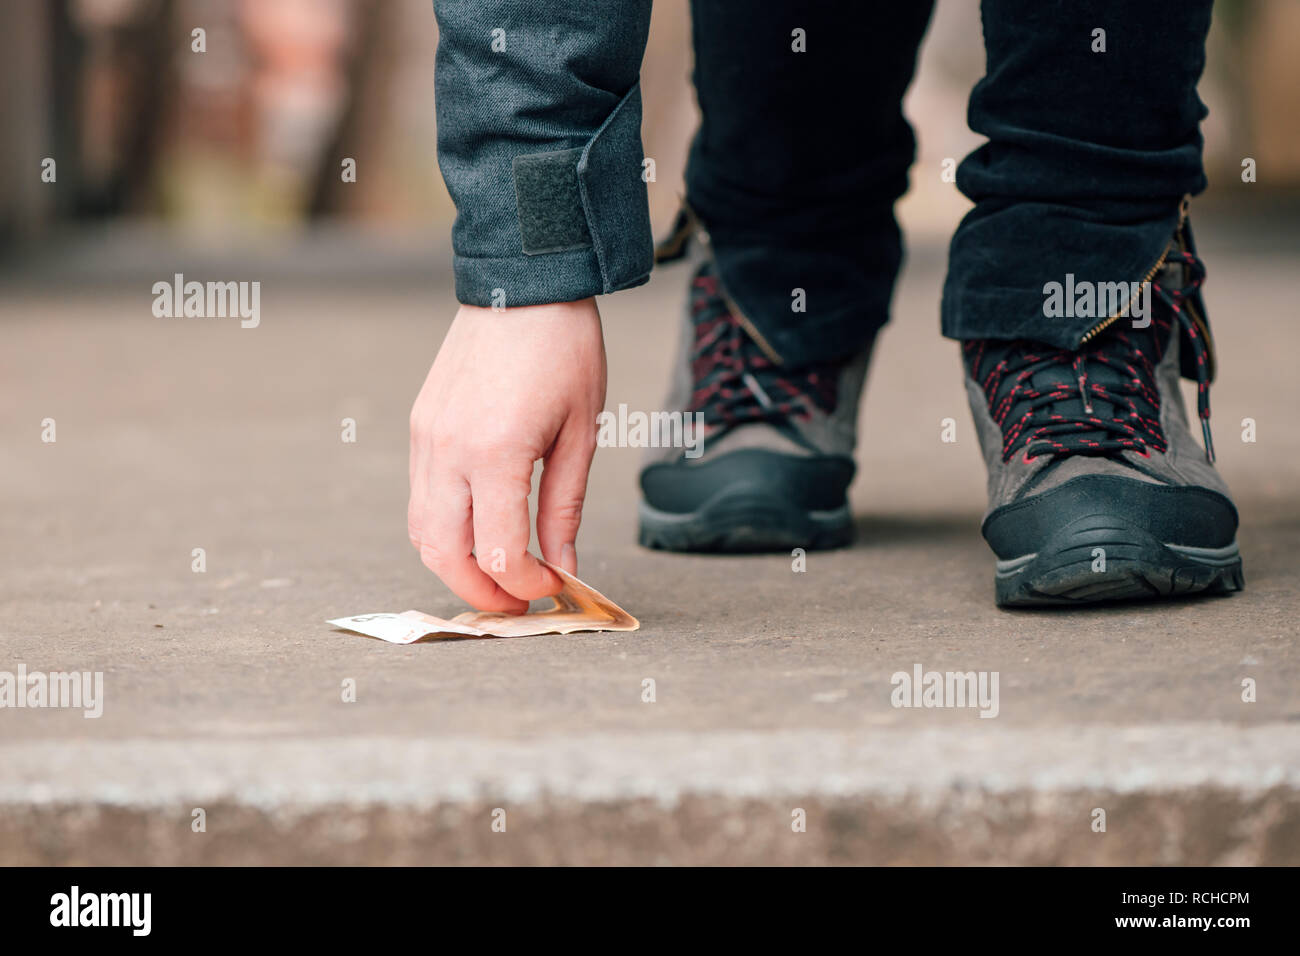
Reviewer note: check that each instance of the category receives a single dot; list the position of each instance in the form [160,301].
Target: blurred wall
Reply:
[250,132]
[24,113]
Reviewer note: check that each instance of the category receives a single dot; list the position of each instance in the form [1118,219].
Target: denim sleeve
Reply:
[539,141]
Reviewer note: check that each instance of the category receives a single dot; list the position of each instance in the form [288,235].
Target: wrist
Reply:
[579,309]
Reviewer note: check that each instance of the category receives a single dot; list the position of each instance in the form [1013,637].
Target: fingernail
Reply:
[569,558]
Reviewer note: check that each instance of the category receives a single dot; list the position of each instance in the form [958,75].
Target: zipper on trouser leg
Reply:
[1196,319]
[1150,274]
[687,227]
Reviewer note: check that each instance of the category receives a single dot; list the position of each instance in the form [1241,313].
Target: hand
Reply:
[507,388]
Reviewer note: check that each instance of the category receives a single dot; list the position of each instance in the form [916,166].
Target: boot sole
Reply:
[738,520]
[1130,565]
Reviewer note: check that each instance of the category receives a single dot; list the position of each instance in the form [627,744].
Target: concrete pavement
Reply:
[223,689]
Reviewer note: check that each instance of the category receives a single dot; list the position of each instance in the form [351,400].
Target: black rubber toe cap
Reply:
[1184,515]
[815,483]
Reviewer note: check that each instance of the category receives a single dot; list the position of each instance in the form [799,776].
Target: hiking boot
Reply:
[1097,489]
[776,460]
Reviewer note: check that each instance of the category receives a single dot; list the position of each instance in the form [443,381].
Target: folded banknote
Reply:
[578,607]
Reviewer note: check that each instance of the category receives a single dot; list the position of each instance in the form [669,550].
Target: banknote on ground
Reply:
[578,607]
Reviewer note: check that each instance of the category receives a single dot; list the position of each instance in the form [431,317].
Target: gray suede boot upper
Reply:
[1097,487]
[806,427]
[776,457]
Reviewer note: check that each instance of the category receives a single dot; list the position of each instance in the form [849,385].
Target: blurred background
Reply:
[157,141]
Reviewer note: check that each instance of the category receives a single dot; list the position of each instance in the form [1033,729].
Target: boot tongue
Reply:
[1073,379]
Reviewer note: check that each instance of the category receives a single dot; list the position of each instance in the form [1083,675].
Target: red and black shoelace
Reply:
[735,381]
[1100,399]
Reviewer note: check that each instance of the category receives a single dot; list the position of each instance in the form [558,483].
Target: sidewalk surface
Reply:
[223,690]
